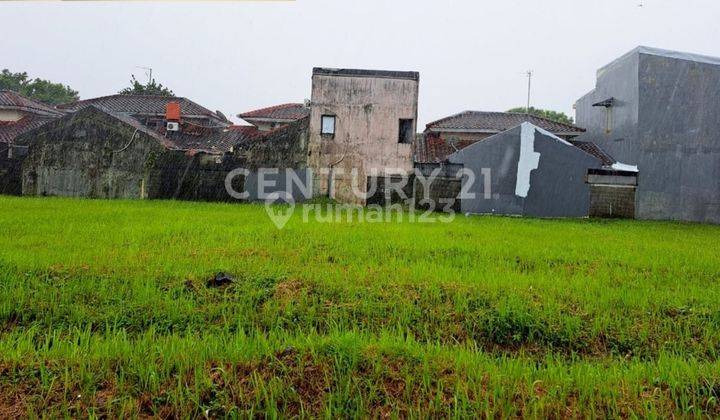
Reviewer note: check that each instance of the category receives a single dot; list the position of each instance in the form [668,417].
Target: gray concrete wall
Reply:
[441,195]
[555,186]
[617,80]
[10,173]
[666,121]
[88,154]
[286,147]
[390,189]
[500,154]
[612,201]
[679,140]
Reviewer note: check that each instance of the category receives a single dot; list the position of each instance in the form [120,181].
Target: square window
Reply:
[327,125]
[405,131]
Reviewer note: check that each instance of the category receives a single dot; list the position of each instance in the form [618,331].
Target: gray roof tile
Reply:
[498,122]
[142,105]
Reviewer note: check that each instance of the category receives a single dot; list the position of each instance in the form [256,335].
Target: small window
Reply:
[406,131]
[327,125]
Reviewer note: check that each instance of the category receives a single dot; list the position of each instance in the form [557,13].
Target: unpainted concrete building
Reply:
[660,110]
[362,124]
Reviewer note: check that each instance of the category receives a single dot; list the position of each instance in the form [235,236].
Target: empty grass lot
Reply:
[105,311]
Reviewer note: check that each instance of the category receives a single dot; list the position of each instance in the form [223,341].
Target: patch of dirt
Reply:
[12,405]
[105,395]
[288,291]
[308,377]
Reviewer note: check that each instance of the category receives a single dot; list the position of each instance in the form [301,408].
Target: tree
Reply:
[560,117]
[38,89]
[151,88]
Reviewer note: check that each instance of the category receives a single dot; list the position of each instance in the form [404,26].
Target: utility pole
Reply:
[529,76]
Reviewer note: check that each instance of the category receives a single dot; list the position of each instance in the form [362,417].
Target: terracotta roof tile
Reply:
[594,150]
[430,148]
[9,130]
[15,101]
[285,112]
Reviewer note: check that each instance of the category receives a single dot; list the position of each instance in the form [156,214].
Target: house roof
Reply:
[495,122]
[191,137]
[279,113]
[387,74]
[594,150]
[9,130]
[216,140]
[142,105]
[14,101]
[209,139]
[431,148]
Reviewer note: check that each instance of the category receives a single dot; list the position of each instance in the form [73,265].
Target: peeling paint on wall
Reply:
[528,160]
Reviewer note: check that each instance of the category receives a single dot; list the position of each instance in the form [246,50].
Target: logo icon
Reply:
[280,207]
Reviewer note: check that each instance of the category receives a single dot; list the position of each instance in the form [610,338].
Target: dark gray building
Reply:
[660,110]
[531,172]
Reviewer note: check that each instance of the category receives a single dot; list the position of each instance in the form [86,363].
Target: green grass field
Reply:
[105,311]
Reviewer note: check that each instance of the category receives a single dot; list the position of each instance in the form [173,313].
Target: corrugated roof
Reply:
[281,113]
[142,105]
[498,122]
[17,102]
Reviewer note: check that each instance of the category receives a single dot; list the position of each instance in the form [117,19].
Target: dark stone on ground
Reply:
[220,279]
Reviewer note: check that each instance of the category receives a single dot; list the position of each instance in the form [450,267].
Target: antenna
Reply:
[529,75]
[148,72]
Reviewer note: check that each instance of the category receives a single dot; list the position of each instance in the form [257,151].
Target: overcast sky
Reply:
[238,56]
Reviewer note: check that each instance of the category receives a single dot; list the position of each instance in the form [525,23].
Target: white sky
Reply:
[238,56]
